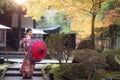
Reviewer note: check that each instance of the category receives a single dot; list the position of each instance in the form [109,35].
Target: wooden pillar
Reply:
[19,26]
[34,24]
[19,12]
[5,44]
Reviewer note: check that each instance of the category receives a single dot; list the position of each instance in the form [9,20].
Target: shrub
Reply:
[59,47]
[113,59]
[67,71]
[90,59]
[85,44]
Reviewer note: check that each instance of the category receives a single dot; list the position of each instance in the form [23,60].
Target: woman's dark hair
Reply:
[28,30]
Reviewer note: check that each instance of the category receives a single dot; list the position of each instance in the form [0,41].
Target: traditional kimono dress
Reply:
[28,66]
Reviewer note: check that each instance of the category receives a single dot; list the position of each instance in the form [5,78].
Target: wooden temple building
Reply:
[17,22]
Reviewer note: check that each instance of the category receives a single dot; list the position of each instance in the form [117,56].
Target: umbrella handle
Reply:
[41,50]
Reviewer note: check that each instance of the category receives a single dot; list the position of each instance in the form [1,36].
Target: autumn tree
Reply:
[93,10]
[111,10]
[74,9]
[77,10]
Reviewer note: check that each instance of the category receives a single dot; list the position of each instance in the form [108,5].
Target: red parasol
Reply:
[37,50]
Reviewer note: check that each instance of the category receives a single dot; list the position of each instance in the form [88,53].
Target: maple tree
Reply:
[111,12]
[75,9]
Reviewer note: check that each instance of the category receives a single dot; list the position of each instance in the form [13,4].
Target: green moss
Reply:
[107,74]
[55,68]
[3,66]
[106,52]
[113,59]
[67,71]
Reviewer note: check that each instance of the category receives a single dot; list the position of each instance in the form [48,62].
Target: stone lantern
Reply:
[3,39]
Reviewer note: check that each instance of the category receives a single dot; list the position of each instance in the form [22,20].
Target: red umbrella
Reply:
[37,50]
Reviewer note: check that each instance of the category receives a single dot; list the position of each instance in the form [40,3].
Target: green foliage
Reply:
[106,52]
[58,72]
[3,66]
[115,75]
[57,47]
[67,30]
[68,71]
[114,31]
[113,58]
[112,74]
[58,19]
[42,22]
[78,72]
[54,41]
[105,7]
[113,51]
[91,60]
[61,19]
[56,69]
[109,5]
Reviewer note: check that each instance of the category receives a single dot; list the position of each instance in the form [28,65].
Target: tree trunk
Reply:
[92,30]
[101,38]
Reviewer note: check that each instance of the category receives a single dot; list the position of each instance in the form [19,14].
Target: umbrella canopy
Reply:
[37,50]
[37,31]
[4,27]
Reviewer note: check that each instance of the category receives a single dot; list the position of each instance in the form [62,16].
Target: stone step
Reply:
[18,66]
[12,52]
[13,56]
[20,78]
[17,73]
[12,73]
[12,69]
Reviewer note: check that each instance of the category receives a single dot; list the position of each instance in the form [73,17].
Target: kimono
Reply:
[28,66]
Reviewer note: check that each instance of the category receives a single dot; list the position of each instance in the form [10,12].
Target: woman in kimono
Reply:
[28,66]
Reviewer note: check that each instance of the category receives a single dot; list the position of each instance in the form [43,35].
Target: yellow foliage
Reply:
[78,10]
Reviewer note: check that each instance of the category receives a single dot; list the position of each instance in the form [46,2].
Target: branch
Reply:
[92,8]
[62,4]
[86,10]
[99,3]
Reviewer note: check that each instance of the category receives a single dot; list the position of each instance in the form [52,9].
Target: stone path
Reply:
[12,73]
[44,61]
